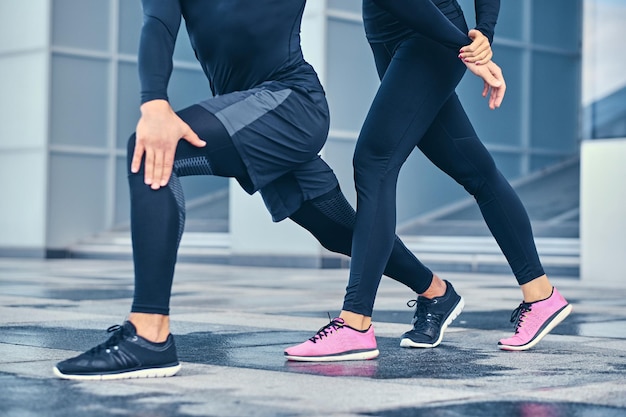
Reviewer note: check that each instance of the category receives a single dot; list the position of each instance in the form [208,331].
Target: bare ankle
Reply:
[536,290]
[437,288]
[356,321]
[152,327]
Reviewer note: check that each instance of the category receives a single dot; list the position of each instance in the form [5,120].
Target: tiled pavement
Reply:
[232,324]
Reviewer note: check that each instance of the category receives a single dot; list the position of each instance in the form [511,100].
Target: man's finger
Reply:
[194,139]
[168,165]
[135,164]
[149,167]
[158,170]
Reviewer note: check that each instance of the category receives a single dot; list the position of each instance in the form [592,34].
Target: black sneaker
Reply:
[124,355]
[432,318]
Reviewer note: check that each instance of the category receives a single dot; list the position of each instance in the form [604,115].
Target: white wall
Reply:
[603,212]
[24,73]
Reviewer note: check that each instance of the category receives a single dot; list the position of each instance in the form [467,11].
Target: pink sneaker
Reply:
[335,342]
[535,320]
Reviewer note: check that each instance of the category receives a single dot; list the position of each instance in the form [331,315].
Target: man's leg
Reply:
[330,218]
[158,218]
[143,346]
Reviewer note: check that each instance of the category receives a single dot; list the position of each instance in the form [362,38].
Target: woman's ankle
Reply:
[356,321]
[538,289]
[437,288]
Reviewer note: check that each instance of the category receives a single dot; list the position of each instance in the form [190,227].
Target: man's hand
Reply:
[495,86]
[479,51]
[158,131]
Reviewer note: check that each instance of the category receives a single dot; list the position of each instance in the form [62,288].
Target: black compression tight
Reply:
[416,106]
[158,216]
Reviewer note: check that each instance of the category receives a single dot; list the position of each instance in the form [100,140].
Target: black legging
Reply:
[157,217]
[416,105]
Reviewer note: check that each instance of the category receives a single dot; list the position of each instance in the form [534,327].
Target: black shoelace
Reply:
[517,316]
[423,319]
[333,326]
[119,334]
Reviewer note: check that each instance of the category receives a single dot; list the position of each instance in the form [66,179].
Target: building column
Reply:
[24,103]
[602,212]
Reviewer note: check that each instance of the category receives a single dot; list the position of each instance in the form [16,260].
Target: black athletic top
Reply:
[388,20]
[239,43]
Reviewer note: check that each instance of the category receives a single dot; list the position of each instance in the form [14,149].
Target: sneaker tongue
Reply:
[424,300]
[130,327]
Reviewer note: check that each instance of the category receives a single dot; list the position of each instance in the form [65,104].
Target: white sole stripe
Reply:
[141,373]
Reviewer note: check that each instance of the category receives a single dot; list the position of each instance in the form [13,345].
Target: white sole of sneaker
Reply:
[555,322]
[356,356]
[408,343]
[144,373]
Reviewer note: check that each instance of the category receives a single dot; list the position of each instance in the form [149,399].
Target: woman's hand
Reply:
[158,131]
[495,86]
[479,51]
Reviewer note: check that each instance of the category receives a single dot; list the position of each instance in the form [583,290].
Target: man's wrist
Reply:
[158,105]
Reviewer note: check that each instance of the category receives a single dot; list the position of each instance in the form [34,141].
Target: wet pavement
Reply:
[232,323]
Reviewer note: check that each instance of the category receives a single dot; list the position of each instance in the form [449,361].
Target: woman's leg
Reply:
[420,77]
[453,146]
[417,79]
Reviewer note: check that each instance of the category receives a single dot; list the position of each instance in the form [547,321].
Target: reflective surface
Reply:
[232,324]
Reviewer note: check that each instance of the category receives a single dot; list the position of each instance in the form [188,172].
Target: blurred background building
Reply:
[70,96]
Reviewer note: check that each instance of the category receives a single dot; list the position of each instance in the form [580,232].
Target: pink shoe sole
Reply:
[345,356]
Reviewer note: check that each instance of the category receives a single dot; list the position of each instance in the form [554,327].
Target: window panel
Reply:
[556,23]
[351,76]
[79,102]
[78,206]
[128,100]
[510,19]
[555,101]
[81,24]
[187,87]
[183,50]
[130,20]
[346,6]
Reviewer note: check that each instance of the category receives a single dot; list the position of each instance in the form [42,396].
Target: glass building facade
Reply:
[68,70]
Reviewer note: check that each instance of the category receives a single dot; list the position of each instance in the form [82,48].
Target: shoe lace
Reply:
[518,314]
[423,319]
[119,334]
[333,326]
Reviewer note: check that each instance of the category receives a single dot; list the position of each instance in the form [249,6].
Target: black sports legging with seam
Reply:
[416,105]
[158,216]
